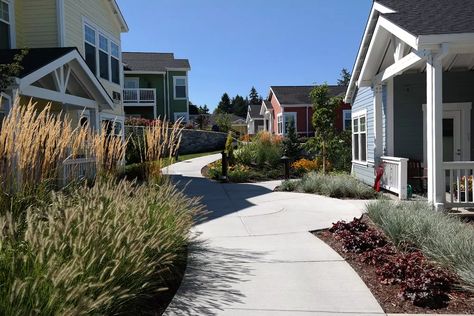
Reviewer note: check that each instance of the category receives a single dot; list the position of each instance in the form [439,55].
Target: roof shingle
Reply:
[300,94]
[432,17]
[159,62]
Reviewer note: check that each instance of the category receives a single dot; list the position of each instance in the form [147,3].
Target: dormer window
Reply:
[5,25]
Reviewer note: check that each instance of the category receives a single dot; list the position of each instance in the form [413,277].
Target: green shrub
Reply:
[333,185]
[229,147]
[289,185]
[240,173]
[102,250]
[443,238]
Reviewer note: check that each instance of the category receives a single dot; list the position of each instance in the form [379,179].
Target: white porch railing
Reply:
[139,96]
[459,175]
[76,169]
[394,177]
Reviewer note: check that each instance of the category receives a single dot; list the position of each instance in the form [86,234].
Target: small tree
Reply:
[229,147]
[9,71]
[291,146]
[345,78]
[324,115]
[224,122]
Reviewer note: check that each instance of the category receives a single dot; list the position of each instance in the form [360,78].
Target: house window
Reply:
[280,124]
[289,120]
[5,32]
[102,54]
[180,88]
[104,57]
[90,47]
[359,137]
[346,120]
[115,62]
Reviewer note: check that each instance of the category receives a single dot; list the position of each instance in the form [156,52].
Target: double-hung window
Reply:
[90,47]
[102,54]
[180,89]
[115,62]
[280,124]
[359,136]
[346,120]
[5,31]
[103,57]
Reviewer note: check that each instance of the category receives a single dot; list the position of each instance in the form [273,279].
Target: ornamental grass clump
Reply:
[332,185]
[443,238]
[103,250]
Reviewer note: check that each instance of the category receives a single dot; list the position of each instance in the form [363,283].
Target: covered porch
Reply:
[422,113]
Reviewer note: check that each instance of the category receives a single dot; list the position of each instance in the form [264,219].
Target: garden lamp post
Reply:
[286,162]
[224,167]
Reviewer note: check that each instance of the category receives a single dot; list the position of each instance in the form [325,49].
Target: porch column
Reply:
[378,124]
[434,114]
[94,120]
[265,123]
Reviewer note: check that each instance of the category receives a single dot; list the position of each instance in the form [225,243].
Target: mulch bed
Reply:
[388,295]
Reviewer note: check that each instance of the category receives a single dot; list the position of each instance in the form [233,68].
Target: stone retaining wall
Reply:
[192,141]
[195,141]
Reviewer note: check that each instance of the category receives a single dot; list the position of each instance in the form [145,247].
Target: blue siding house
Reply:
[411,92]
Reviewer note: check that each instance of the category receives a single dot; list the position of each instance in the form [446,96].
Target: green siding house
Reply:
[155,85]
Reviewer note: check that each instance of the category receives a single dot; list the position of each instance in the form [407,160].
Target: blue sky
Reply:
[236,44]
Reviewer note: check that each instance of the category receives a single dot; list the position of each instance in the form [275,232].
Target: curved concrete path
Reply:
[254,254]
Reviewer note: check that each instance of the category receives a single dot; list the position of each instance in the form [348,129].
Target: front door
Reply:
[452,148]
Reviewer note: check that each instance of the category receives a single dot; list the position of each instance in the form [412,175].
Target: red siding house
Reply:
[292,105]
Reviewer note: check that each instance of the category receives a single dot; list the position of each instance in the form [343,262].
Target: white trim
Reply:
[465,109]
[389,117]
[400,66]
[296,105]
[357,116]
[51,67]
[175,78]
[405,36]
[46,94]
[60,18]
[178,69]
[382,9]
[278,131]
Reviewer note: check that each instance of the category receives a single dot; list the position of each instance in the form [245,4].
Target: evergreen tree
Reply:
[291,146]
[239,106]
[204,109]
[345,78]
[225,106]
[254,97]
[193,109]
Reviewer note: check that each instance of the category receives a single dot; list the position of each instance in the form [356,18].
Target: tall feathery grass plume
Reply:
[158,142]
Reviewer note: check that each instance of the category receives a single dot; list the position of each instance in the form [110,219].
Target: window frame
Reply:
[295,118]
[280,124]
[357,116]
[176,78]
[11,22]
[344,112]
[110,40]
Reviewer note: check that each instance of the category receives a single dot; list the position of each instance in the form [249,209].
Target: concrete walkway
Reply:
[254,254]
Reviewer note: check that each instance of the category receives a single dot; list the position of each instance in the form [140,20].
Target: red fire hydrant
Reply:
[378,177]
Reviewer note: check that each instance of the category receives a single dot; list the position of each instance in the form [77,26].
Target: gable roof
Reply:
[254,111]
[154,62]
[292,95]
[431,17]
[35,59]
